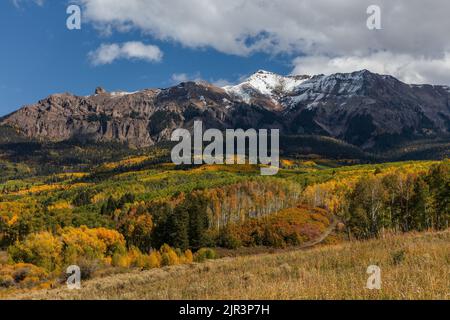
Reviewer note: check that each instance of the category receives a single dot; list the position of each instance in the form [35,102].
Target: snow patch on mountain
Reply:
[265,83]
[289,91]
[341,86]
[122,93]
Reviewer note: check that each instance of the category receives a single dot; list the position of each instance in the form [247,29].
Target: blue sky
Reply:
[40,56]
[136,44]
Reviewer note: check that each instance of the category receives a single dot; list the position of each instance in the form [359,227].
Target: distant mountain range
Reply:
[363,109]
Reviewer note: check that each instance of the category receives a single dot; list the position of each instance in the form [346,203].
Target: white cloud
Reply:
[108,53]
[222,83]
[17,3]
[315,28]
[410,69]
[177,78]
[310,26]
[184,77]
[180,77]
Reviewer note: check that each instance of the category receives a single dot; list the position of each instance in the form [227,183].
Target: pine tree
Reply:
[421,204]
[198,221]
[178,228]
[439,182]
[111,205]
[160,234]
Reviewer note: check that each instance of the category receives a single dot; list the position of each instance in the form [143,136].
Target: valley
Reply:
[141,213]
[363,177]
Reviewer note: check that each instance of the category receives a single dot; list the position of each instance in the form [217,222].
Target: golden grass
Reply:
[414,266]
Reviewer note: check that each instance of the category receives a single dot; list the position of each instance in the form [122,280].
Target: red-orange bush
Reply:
[289,227]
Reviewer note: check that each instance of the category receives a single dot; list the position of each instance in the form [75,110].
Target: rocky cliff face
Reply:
[362,108]
[367,109]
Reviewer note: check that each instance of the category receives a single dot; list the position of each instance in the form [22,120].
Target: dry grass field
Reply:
[414,266]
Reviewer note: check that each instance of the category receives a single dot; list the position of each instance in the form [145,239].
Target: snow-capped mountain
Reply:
[266,84]
[321,87]
[362,108]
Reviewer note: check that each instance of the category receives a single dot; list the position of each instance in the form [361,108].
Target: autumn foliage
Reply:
[80,245]
[144,215]
[289,227]
[401,199]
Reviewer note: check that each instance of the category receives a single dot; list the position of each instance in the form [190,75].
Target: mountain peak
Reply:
[363,71]
[361,108]
[261,71]
[265,83]
[100,90]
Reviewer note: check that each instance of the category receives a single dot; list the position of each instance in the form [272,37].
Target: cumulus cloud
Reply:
[410,69]
[412,29]
[108,53]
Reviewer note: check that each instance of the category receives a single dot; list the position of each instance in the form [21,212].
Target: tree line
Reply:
[397,199]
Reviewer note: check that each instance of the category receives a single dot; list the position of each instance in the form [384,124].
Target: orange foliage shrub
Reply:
[133,258]
[41,249]
[113,240]
[289,227]
[71,246]
[22,275]
[91,249]
[168,256]
[188,256]
[91,243]
[82,242]
[155,259]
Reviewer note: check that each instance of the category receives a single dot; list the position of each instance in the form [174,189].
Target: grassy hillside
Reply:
[117,212]
[413,266]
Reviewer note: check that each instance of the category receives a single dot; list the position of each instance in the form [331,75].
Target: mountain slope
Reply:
[268,87]
[367,110]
